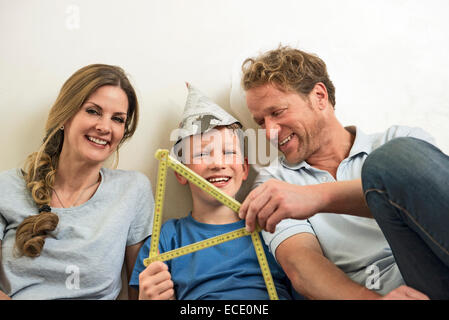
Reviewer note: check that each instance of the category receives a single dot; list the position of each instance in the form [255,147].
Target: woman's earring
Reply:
[62,128]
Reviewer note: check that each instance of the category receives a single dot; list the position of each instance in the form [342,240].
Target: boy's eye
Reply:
[200,154]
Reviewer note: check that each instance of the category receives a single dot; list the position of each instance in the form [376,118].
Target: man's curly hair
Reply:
[288,69]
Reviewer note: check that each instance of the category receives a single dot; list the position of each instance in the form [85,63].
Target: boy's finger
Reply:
[155,267]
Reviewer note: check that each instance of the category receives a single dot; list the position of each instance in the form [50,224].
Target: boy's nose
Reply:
[218,161]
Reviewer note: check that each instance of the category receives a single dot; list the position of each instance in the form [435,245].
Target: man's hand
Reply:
[155,283]
[276,200]
[405,293]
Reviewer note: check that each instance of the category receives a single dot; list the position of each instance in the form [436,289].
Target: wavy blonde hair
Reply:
[288,69]
[40,166]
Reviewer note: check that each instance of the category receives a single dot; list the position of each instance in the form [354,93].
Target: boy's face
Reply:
[217,157]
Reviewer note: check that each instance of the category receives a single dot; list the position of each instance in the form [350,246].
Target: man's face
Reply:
[291,121]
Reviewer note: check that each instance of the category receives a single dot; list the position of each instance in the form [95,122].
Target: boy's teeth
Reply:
[286,140]
[217,179]
[99,141]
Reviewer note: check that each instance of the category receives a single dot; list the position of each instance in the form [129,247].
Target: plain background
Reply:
[389,61]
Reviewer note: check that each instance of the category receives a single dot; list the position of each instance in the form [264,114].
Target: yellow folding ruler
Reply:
[165,161]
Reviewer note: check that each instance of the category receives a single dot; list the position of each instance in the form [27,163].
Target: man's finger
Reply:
[249,198]
[274,219]
[266,212]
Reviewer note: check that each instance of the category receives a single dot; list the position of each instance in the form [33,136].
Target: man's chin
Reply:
[293,158]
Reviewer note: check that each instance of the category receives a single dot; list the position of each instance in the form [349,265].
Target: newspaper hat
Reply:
[200,115]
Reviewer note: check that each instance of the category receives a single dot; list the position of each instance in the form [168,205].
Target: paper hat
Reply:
[201,114]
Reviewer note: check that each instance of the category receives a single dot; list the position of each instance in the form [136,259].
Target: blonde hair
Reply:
[288,69]
[40,166]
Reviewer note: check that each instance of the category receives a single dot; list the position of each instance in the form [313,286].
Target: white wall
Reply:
[389,61]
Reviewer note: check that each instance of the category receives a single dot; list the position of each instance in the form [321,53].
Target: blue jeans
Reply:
[406,185]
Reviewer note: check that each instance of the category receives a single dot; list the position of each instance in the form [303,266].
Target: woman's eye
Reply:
[91,111]
[118,119]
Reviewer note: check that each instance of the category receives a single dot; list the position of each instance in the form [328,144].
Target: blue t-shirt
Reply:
[228,271]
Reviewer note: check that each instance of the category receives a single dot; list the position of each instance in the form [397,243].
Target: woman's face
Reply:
[95,131]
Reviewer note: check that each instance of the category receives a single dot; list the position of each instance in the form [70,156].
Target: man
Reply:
[328,256]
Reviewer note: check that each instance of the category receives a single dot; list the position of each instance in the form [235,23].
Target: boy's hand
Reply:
[155,283]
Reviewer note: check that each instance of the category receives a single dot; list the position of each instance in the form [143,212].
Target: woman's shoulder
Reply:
[11,177]
[13,188]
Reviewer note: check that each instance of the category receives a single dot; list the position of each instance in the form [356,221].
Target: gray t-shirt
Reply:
[355,244]
[84,256]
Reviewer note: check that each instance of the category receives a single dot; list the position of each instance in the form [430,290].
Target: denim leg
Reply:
[406,185]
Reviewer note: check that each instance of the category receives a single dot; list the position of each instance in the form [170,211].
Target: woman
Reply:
[67,223]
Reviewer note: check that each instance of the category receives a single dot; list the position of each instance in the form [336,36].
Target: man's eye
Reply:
[277,112]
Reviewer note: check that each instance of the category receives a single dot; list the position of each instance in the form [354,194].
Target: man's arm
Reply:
[275,200]
[313,275]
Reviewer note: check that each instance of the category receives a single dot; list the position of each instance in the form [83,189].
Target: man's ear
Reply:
[245,168]
[180,178]
[320,94]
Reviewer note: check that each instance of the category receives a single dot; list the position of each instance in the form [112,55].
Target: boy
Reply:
[210,145]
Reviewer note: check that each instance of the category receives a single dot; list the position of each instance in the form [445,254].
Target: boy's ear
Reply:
[180,178]
[245,168]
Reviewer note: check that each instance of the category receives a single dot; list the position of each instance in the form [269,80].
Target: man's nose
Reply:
[272,130]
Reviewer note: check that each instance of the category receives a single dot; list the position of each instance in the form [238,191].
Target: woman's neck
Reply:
[72,176]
